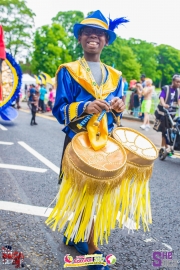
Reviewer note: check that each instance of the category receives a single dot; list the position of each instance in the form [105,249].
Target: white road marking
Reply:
[40,157]
[22,168]
[2,127]
[36,210]
[25,209]
[6,143]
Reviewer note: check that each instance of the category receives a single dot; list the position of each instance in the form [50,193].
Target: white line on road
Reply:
[6,143]
[22,168]
[2,127]
[41,211]
[40,157]
[25,209]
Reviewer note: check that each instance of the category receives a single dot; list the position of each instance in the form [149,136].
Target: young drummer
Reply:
[88,86]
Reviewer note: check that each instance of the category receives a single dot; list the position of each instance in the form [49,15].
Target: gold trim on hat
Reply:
[96,22]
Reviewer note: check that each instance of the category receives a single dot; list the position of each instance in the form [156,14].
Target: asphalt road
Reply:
[35,184]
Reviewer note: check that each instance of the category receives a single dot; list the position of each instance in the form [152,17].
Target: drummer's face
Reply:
[92,40]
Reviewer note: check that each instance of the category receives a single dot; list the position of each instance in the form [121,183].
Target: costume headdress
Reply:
[97,20]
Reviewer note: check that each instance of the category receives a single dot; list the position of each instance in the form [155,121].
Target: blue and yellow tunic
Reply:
[74,89]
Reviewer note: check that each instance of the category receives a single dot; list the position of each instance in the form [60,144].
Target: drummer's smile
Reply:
[92,41]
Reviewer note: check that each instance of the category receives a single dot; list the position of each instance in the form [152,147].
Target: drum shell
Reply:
[104,164]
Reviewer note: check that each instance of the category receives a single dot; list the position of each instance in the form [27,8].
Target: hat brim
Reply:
[78,26]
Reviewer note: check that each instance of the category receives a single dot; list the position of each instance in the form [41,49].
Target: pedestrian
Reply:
[143,80]
[42,93]
[125,89]
[31,92]
[34,108]
[51,98]
[146,104]
[169,96]
[136,108]
[86,87]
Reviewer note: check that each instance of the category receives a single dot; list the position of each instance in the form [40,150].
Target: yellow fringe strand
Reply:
[83,200]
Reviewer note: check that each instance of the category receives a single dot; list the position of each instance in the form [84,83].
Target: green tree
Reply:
[122,58]
[168,63]
[146,55]
[50,49]
[67,20]
[18,22]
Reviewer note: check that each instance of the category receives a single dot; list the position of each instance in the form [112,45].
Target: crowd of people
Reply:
[140,100]
[36,100]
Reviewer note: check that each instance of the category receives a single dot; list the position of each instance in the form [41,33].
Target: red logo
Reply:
[15,258]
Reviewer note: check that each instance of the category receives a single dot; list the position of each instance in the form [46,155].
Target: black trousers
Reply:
[33,120]
[41,104]
[66,142]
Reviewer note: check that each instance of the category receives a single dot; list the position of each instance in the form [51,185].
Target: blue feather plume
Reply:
[113,24]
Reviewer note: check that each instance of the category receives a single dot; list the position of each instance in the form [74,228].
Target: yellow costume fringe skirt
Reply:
[100,188]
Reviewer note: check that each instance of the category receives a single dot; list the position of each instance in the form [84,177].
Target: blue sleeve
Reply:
[66,107]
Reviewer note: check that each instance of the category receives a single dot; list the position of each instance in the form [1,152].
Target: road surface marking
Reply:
[6,143]
[2,127]
[40,157]
[37,210]
[25,209]
[22,168]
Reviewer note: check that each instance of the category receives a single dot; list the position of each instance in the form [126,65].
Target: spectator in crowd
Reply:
[51,98]
[137,100]
[125,89]
[31,92]
[169,96]
[34,108]
[146,104]
[143,80]
[42,92]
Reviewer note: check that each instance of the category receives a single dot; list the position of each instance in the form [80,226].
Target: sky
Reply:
[155,21]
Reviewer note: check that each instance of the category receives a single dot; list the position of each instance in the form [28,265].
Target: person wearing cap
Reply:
[169,96]
[86,87]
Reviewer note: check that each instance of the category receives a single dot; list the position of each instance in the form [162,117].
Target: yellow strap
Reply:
[98,142]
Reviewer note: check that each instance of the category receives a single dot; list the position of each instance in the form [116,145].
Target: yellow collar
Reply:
[80,76]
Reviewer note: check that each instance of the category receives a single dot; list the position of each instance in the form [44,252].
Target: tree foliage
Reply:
[146,55]
[18,22]
[67,20]
[168,63]
[122,58]
[50,49]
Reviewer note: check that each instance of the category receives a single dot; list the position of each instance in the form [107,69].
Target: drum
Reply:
[141,154]
[90,187]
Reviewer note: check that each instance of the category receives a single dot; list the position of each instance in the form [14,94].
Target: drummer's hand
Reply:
[97,106]
[166,106]
[117,104]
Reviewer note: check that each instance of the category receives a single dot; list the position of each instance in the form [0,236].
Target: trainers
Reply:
[170,155]
[148,126]
[143,126]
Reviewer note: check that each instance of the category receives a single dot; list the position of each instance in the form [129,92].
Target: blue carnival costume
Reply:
[95,179]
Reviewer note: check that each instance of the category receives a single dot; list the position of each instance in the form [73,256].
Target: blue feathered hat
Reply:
[97,20]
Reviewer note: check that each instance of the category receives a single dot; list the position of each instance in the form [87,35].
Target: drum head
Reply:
[136,143]
[107,162]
